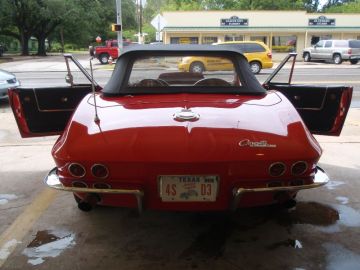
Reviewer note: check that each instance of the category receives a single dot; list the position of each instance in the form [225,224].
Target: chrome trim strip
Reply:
[52,110]
[52,180]
[320,179]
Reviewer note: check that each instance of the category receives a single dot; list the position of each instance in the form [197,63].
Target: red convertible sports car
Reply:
[158,138]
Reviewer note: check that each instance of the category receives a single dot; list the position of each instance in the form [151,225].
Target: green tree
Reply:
[348,7]
[20,16]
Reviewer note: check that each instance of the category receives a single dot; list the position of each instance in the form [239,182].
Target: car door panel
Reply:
[322,108]
[45,111]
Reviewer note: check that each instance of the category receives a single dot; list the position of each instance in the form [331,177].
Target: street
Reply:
[43,229]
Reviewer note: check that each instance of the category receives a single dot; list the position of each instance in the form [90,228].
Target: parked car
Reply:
[257,53]
[111,49]
[164,139]
[334,50]
[7,80]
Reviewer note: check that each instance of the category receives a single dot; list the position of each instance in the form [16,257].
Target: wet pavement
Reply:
[40,229]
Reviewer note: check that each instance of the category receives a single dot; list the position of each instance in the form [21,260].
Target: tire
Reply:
[197,67]
[77,199]
[354,61]
[337,59]
[104,58]
[307,57]
[91,51]
[255,67]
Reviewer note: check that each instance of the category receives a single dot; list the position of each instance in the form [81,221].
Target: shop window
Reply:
[259,38]
[234,38]
[284,43]
[184,40]
[316,39]
[209,40]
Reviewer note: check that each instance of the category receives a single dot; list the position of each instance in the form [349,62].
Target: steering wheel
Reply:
[151,83]
[212,82]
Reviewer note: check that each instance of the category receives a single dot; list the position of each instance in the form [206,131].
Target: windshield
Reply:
[189,71]
[167,69]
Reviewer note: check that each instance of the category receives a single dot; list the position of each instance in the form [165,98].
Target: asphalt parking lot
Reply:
[43,229]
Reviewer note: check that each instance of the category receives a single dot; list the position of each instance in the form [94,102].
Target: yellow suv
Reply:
[257,53]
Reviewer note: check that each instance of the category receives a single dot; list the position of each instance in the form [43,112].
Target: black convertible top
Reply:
[117,84]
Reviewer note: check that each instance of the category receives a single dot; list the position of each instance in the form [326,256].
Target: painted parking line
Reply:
[23,223]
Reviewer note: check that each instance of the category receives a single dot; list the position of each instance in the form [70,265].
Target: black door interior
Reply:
[319,106]
[47,110]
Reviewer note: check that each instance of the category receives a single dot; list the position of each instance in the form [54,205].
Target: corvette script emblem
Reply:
[260,144]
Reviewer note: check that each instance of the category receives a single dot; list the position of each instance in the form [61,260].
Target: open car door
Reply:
[322,108]
[46,111]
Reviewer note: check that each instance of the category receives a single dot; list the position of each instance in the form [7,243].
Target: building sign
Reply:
[322,21]
[234,21]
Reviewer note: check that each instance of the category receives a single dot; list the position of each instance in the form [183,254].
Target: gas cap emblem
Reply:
[186,115]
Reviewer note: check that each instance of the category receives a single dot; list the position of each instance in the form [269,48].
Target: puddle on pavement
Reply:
[216,229]
[339,257]
[342,200]
[5,198]
[48,244]
[334,184]
[294,243]
[210,243]
[312,213]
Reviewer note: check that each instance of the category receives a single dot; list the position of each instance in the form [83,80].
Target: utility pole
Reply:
[118,21]
[139,8]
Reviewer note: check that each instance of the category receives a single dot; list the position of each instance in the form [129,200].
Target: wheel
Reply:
[255,67]
[337,59]
[197,67]
[91,50]
[354,61]
[104,58]
[307,57]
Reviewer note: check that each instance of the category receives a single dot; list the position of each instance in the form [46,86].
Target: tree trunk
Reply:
[62,39]
[41,46]
[24,42]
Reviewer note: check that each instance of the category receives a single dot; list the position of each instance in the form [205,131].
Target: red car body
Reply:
[110,49]
[183,150]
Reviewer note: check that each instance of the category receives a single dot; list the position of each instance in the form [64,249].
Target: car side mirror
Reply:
[69,79]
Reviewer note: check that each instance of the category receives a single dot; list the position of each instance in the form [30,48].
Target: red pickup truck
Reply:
[103,53]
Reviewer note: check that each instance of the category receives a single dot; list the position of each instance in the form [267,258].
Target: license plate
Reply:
[188,188]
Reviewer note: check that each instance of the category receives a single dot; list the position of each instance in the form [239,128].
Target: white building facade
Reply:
[282,31]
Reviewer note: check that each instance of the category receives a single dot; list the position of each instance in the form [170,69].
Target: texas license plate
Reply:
[188,188]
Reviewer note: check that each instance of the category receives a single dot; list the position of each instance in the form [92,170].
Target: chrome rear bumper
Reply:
[320,179]
[53,181]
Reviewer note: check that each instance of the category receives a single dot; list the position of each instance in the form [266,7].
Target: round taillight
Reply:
[299,168]
[79,184]
[277,169]
[101,186]
[76,170]
[99,171]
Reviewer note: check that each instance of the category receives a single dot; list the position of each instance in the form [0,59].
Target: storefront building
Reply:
[282,31]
